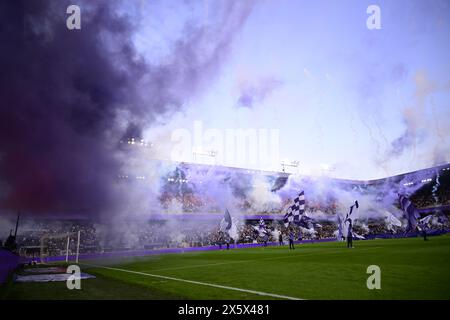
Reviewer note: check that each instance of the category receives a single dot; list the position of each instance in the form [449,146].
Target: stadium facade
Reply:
[199,191]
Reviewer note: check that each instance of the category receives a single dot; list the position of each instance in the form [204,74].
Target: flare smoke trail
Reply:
[69,97]
[435,188]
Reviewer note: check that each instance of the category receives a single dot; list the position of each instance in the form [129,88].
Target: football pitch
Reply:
[410,269]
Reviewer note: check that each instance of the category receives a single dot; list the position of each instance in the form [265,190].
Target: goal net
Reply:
[63,244]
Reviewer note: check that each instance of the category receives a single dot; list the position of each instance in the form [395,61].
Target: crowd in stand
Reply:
[135,235]
[95,237]
[422,199]
[51,235]
[191,203]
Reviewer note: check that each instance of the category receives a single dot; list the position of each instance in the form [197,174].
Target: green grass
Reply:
[410,269]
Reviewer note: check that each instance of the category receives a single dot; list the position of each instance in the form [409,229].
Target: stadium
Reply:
[178,244]
[224,150]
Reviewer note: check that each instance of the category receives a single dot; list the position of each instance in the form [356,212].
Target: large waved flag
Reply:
[296,210]
[261,229]
[411,212]
[226,223]
[307,222]
[391,220]
[356,204]
[340,229]
[434,218]
[262,224]
[426,219]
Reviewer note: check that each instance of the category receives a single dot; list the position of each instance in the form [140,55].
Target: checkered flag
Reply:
[262,224]
[296,210]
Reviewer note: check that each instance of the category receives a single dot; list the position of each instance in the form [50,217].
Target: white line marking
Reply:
[199,266]
[260,293]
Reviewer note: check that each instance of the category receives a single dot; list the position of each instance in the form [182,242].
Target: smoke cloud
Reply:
[254,93]
[413,116]
[69,97]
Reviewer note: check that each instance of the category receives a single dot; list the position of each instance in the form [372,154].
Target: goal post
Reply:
[67,248]
[78,247]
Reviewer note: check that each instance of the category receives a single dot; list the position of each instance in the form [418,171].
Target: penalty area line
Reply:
[260,293]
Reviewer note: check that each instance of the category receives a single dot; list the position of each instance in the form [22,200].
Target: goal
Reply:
[63,244]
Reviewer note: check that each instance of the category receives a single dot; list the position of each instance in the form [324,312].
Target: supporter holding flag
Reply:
[280,239]
[291,239]
[350,234]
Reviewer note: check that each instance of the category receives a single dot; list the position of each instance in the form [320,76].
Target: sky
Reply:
[346,101]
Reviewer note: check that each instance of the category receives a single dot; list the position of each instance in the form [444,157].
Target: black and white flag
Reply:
[226,223]
[261,229]
[347,217]
[296,210]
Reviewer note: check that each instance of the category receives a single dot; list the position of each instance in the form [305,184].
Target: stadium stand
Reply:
[174,231]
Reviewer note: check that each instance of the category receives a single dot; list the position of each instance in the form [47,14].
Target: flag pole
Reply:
[67,248]
[78,247]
